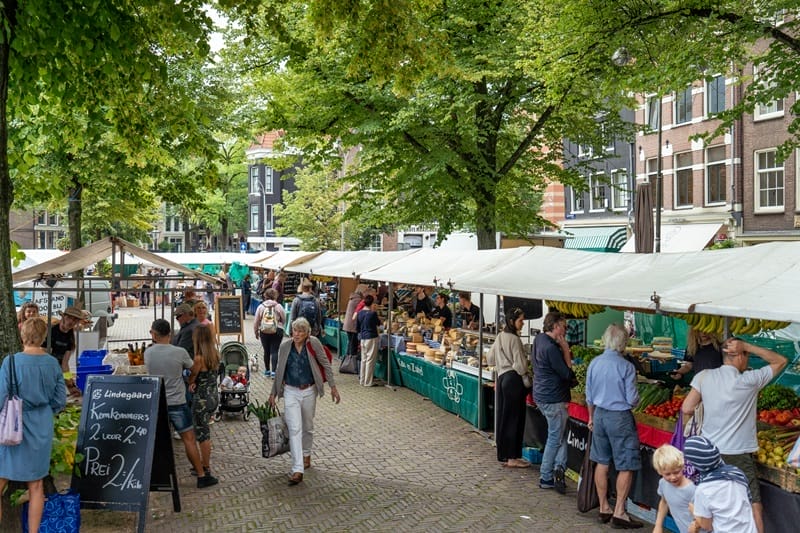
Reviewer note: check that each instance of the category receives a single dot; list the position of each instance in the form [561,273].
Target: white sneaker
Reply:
[176,435]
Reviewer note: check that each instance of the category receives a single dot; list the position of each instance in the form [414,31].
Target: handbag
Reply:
[62,513]
[587,491]
[350,365]
[274,436]
[678,440]
[11,415]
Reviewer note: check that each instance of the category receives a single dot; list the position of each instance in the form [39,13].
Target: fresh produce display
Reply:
[580,375]
[738,325]
[584,354]
[780,417]
[668,409]
[575,309]
[777,397]
[774,446]
[651,395]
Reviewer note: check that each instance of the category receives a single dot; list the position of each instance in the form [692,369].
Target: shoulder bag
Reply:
[11,415]
[328,354]
[587,491]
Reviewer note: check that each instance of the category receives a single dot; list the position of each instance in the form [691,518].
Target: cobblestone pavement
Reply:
[383,460]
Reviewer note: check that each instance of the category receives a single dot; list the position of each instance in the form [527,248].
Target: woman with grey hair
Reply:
[299,379]
[611,395]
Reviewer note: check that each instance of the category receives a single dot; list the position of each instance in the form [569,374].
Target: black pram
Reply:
[236,397]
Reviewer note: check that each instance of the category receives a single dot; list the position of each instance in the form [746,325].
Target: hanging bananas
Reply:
[575,309]
[738,325]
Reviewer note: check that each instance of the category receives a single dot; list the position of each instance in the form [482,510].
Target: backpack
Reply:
[308,310]
[268,323]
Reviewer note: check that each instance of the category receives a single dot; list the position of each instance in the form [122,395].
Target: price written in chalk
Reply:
[126,436]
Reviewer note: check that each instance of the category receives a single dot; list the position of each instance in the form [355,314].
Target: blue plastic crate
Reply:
[532,455]
[83,373]
[657,366]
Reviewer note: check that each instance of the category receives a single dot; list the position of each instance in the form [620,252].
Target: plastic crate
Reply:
[83,373]
[657,366]
[91,358]
[532,455]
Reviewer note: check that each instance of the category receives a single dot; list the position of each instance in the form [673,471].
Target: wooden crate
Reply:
[577,397]
[655,422]
[785,478]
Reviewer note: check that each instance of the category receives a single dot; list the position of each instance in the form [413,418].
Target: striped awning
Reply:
[595,238]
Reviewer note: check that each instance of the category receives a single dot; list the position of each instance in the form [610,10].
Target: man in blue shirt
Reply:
[611,395]
[367,323]
[552,361]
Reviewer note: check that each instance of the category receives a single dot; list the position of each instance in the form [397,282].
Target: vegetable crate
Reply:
[785,478]
[657,366]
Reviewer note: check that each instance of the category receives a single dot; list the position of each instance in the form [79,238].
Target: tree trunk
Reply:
[223,237]
[187,236]
[9,333]
[485,219]
[74,213]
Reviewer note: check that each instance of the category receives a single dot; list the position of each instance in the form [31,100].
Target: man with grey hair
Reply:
[611,395]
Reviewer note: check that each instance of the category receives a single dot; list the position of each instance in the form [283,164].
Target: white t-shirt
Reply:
[678,499]
[729,406]
[726,504]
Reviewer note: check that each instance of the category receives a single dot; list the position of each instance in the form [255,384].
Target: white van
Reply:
[64,292]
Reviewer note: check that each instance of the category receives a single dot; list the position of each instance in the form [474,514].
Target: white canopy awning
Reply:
[213,258]
[681,237]
[349,264]
[284,258]
[97,251]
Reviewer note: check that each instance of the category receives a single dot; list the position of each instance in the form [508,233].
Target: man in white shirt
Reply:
[729,396]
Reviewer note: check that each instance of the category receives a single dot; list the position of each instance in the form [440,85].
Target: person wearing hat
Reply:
[722,497]
[184,314]
[61,336]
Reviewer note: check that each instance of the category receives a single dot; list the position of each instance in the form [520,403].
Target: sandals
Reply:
[517,463]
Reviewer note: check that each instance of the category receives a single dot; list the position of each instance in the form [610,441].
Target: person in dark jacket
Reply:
[552,361]
[367,322]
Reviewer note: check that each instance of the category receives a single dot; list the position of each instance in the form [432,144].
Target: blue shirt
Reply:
[611,383]
[298,369]
[367,323]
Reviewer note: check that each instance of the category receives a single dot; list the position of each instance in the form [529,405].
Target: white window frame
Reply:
[269,219]
[619,190]
[610,141]
[652,111]
[711,165]
[678,119]
[598,183]
[574,199]
[52,219]
[769,110]
[268,185]
[761,172]
[676,174]
[376,242]
[254,212]
[708,93]
[585,151]
[254,179]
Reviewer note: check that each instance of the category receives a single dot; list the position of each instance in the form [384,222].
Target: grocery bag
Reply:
[62,513]
[587,491]
[274,436]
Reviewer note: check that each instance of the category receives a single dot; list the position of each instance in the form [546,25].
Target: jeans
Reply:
[298,411]
[555,450]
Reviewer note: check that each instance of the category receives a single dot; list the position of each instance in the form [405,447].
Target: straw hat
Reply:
[74,312]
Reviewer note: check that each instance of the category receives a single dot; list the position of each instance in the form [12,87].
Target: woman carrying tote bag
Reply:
[41,386]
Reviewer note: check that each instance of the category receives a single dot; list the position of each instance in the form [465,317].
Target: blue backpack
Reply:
[308,310]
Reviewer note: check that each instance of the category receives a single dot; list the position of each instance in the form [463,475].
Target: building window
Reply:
[376,242]
[253,217]
[41,218]
[715,95]
[683,106]
[176,244]
[577,201]
[585,151]
[769,185]
[254,179]
[683,180]
[715,175]
[597,189]
[619,189]
[770,109]
[41,240]
[652,111]
[268,187]
[608,139]
[52,219]
[269,223]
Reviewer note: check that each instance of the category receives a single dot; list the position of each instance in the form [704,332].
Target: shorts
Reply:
[746,463]
[181,417]
[614,437]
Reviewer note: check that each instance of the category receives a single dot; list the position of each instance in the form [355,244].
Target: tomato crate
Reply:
[655,421]
[785,478]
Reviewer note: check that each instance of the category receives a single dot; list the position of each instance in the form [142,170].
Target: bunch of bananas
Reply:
[575,309]
[738,326]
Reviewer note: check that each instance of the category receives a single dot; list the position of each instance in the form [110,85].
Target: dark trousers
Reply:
[510,407]
[271,342]
[352,343]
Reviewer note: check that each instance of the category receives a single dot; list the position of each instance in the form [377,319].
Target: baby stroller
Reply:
[233,400]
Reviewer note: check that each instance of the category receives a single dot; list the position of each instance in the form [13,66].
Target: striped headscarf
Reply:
[705,457]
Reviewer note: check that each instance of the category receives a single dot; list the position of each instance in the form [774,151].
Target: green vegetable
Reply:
[777,397]
[262,411]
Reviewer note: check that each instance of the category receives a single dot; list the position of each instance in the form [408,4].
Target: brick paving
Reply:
[384,460]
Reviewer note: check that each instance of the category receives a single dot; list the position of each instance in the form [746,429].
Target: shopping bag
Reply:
[678,440]
[350,365]
[274,436]
[62,513]
[587,492]
[11,414]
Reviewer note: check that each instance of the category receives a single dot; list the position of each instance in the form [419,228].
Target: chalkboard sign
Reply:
[229,315]
[293,280]
[123,420]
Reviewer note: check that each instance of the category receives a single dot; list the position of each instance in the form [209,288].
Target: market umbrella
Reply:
[643,220]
